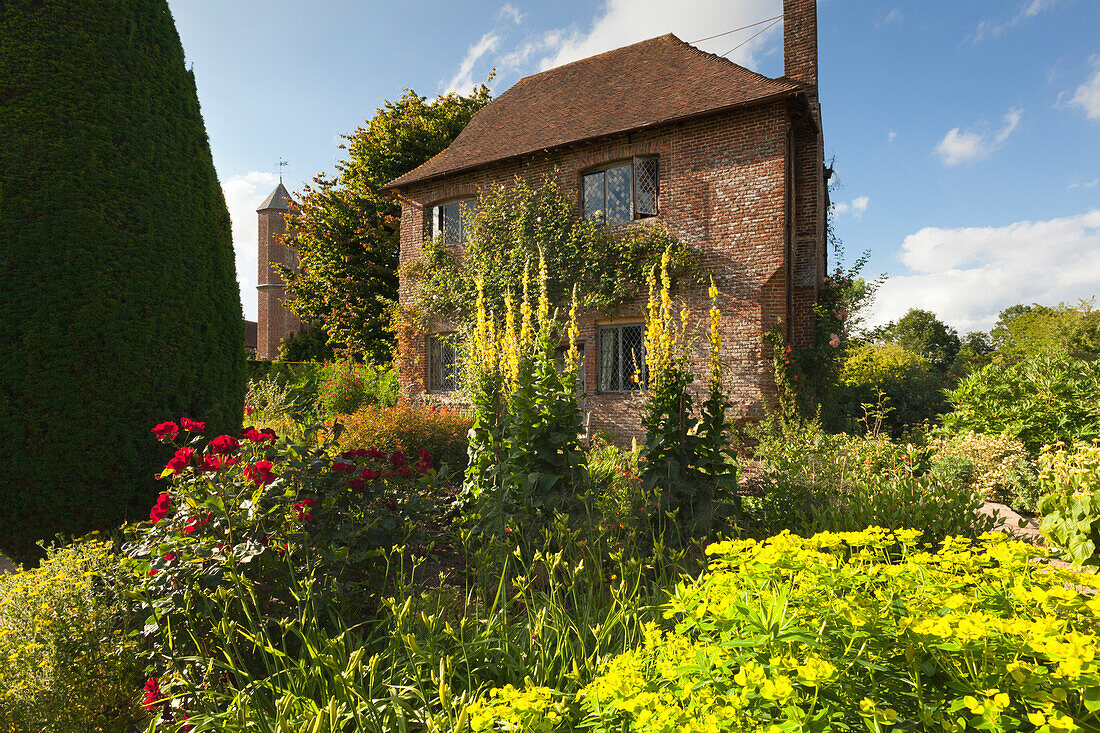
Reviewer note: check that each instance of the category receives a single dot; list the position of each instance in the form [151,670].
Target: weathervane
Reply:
[282,164]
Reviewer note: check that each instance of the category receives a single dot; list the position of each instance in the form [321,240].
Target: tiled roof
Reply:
[279,199]
[648,83]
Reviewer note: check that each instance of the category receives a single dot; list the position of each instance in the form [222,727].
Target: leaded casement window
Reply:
[451,220]
[622,357]
[443,363]
[622,192]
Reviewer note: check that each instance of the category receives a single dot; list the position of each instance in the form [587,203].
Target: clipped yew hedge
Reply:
[119,306]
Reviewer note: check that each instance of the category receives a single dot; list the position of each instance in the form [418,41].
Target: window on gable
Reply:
[443,363]
[622,358]
[451,220]
[622,192]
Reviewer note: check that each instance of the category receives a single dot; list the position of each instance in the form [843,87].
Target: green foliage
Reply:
[1023,332]
[921,332]
[813,481]
[902,385]
[686,459]
[408,427]
[861,631]
[1071,480]
[347,386]
[517,225]
[1000,467]
[119,300]
[67,658]
[309,345]
[1040,401]
[346,230]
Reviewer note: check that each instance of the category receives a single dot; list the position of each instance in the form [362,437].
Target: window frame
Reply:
[446,339]
[642,368]
[633,164]
[436,219]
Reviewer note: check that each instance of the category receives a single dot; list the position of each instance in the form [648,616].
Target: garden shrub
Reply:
[410,427]
[1070,478]
[1040,401]
[901,385]
[244,526]
[1002,469]
[70,664]
[121,307]
[845,632]
[346,386]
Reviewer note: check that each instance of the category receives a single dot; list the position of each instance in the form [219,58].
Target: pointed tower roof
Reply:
[279,199]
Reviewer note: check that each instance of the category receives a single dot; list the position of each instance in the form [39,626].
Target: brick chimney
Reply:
[800,44]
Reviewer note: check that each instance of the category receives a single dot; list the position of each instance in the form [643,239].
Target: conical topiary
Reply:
[119,305]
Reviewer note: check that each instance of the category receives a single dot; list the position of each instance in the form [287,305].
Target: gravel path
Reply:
[1024,528]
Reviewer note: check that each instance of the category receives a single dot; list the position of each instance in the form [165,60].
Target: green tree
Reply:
[1023,332]
[346,231]
[921,332]
[118,299]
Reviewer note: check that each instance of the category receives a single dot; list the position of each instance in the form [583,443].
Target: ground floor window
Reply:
[622,358]
[443,363]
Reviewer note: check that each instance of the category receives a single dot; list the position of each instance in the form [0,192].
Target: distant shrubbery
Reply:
[439,430]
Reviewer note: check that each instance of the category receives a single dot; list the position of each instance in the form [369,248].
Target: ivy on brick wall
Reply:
[608,265]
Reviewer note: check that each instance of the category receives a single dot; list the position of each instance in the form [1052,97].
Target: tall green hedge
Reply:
[119,306]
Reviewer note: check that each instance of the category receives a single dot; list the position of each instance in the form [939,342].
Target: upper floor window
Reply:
[443,363]
[622,357]
[623,191]
[450,219]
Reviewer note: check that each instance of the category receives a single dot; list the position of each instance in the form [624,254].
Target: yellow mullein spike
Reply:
[573,356]
[544,295]
[715,335]
[526,327]
[666,288]
[481,332]
[509,350]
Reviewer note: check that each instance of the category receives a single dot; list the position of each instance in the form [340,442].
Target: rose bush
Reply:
[243,522]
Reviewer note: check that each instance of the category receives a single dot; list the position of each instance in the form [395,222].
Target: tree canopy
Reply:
[922,332]
[346,231]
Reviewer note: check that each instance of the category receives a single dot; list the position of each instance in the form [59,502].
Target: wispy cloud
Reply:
[891,136]
[989,28]
[968,275]
[463,79]
[510,12]
[855,207]
[243,193]
[1087,96]
[894,16]
[963,146]
[1087,184]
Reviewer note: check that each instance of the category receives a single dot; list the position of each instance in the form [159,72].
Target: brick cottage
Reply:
[729,161]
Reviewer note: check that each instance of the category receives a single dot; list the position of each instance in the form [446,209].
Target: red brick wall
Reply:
[723,189]
[274,321]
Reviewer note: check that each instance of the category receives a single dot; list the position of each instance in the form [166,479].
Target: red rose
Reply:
[423,468]
[170,557]
[341,467]
[302,510]
[375,454]
[181,460]
[368,475]
[390,503]
[213,463]
[160,509]
[356,484]
[248,410]
[260,472]
[404,471]
[397,458]
[269,434]
[225,445]
[193,425]
[152,693]
[166,431]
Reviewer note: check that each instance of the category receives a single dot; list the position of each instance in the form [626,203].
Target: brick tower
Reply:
[275,321]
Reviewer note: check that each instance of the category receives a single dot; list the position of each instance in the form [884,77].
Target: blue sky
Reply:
[965,135]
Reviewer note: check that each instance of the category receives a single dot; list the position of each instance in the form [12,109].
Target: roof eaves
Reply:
[398,183]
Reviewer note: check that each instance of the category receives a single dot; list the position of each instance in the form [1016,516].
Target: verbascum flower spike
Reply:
[544,295]
[526,327]
[715,335]
[573,356]
[509,345]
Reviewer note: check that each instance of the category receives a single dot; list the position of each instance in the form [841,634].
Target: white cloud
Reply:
[1024,12]
[963,146]
[1087,184]
[855,207]
[628,21]
[510,12]
[894,16]
[243,193]
[891,136]
[968,275]
[1087,96]
[463,80]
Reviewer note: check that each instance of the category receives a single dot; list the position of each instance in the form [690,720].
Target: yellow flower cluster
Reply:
[530,710]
